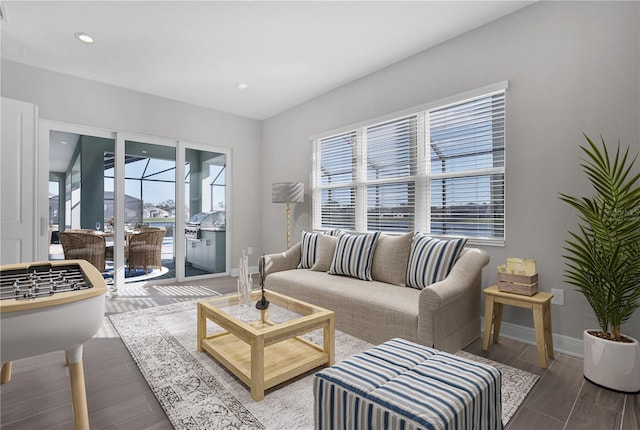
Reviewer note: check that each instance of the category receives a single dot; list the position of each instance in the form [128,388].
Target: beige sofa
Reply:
[445,315]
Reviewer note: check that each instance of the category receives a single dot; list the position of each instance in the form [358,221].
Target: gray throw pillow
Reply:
[325,248]
[391,258]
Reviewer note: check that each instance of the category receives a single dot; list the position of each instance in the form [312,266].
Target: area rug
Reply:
[196,392]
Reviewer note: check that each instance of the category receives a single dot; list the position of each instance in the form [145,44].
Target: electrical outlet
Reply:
[250,250]
[558,297]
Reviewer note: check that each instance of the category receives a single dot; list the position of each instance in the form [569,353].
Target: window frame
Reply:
[422,177]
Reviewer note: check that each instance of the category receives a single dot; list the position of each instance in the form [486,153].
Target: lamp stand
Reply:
[288,229]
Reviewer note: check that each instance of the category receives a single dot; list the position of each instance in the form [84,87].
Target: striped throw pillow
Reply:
[333,232]
[431,259]
[308,246]
[354,255]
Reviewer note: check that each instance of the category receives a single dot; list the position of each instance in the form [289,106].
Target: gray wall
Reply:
[81,101]
[572,68]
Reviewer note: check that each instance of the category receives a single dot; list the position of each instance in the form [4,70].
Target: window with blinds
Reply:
[466,175]
[391,173]
[439,170]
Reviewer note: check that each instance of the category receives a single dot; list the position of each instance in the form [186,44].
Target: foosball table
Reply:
[51,306]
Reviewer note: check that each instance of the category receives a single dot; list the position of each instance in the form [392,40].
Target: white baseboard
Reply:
[561,343]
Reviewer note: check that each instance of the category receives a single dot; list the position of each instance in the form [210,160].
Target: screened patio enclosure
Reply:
[82,192]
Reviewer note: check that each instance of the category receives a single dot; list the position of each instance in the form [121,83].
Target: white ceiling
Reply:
[197,52]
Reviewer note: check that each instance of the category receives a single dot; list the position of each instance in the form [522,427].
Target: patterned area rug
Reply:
[196,392]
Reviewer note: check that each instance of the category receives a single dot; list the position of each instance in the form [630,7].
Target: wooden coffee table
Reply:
[263,348]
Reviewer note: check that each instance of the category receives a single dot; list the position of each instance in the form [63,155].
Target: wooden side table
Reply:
[539,303]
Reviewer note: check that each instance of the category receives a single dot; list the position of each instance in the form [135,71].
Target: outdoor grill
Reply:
[206,238]
[211,221]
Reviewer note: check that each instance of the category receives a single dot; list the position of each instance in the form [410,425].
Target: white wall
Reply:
[81,101]
[572,67]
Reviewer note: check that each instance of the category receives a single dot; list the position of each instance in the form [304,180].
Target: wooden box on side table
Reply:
[518,284]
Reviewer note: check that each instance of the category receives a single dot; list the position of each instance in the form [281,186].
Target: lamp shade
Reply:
[287,192]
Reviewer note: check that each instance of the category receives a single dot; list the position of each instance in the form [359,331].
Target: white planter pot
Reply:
[613,365]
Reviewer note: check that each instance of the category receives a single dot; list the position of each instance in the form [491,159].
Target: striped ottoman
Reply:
[403,385]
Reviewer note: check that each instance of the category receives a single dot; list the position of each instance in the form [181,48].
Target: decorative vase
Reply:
[244,290]
[613,365]
[244,281]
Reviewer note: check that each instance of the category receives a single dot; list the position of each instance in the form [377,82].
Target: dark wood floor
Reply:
[39,395]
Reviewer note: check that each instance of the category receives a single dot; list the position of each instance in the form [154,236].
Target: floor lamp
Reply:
[287,192]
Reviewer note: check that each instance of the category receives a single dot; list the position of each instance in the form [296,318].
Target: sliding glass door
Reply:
[76,173]
[205,209]
[150,196]
[119,185]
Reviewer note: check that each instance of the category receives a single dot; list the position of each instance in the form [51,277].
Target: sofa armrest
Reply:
[449,310]
[282,261]
[461,278]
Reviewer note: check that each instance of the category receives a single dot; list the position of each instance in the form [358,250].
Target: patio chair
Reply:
[84,246]
[145,249]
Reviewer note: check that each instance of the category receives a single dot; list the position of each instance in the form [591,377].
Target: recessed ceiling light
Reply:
[84,37]
[63,142]
[242,86]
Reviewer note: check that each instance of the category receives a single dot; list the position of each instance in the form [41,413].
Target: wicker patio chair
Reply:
[84,246]
[145,249]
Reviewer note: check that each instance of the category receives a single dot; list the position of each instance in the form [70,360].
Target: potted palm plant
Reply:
[603,263]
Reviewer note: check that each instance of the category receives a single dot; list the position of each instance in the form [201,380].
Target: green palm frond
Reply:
[603,256]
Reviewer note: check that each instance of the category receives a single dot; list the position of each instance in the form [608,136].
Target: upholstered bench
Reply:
[403,385]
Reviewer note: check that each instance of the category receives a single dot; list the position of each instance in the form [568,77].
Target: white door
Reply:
[18,174]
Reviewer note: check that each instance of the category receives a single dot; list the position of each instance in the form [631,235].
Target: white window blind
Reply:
[337,175]
[439,170]
[391,164]
[467,168]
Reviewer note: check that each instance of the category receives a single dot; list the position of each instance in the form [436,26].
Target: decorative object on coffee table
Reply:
[287,192]
[263,303]
[244,281]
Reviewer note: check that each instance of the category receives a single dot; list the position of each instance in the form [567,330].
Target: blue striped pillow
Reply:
[431,259]
[308,246]
[354,255]
[333,232]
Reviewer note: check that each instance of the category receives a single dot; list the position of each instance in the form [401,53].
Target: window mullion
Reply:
[361,178]
[422,206]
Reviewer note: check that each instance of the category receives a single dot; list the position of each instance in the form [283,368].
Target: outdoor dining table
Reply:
[110,234]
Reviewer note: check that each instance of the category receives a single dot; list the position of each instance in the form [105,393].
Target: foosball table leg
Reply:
[6,373]
[78,392]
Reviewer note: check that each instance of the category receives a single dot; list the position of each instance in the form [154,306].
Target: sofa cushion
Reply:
[354,255]
[373,311]
[431,259]
[391,258]
[325,248]
[308,250]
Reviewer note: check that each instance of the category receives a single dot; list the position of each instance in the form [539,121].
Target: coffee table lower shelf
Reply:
[270,365]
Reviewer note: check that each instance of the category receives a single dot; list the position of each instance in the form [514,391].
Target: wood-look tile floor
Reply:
[39,395]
